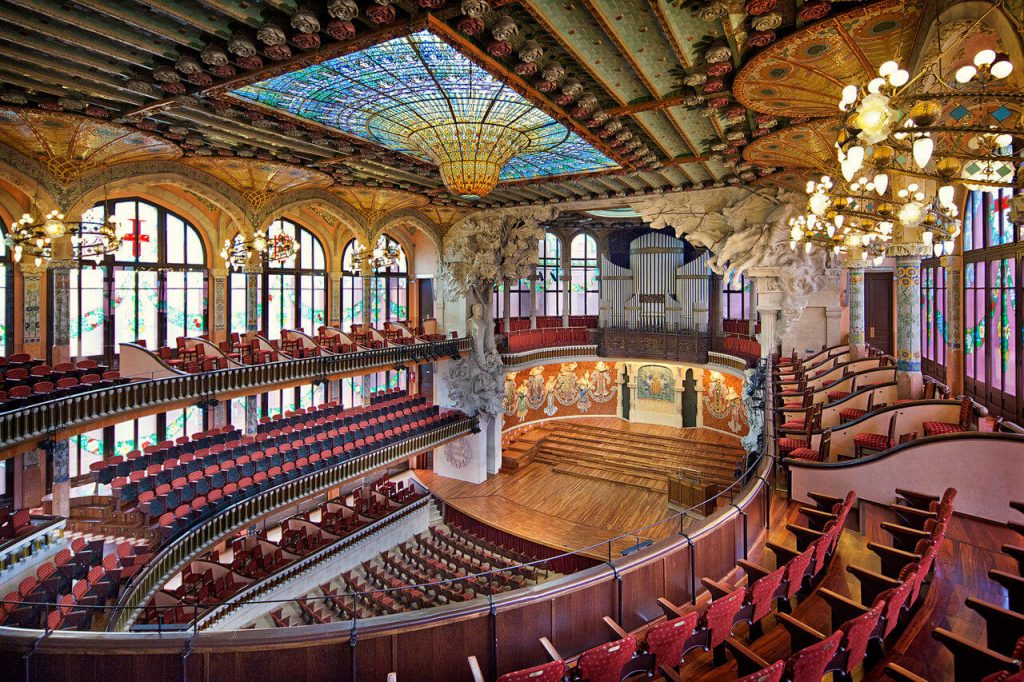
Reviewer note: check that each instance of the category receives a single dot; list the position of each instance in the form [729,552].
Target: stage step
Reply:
[563,449]
[612,474]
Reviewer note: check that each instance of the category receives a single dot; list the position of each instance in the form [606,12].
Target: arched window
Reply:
[152,290]
[933,319]
[291,294]
[735,298]
[389,289]
[549,275]
[584,294]
[520,300]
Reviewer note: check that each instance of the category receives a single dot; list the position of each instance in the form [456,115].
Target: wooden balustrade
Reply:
[682,346]
[74,413]
[172,557]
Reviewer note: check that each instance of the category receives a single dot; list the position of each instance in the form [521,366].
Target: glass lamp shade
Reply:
[469,155]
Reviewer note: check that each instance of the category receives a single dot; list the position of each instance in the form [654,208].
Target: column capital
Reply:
[62,264]
[952,262]
[909,250]
[252,268]
[219,272]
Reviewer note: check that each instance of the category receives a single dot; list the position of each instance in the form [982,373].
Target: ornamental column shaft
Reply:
[752,313]
[769,303]
[909,382]
[506,306]
[952,326]
[32,309]
[566,282]
[253,272]
[60,492]
[366,277]
[60,342]
[534,299]
[855,300]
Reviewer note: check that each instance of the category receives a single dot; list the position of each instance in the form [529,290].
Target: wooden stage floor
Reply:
[568,512]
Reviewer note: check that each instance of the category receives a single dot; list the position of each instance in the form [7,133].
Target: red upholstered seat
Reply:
[720,616]
[761,594]
[604,663]
[873,441]
[796,570]
[795,425]
[804,453]
[549,672]
[665,641]
[808,664]
[937,428]
[837,395]
[787,445]
[856,635]
[851,413]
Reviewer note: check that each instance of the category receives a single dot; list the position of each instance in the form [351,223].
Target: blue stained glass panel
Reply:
[380,93]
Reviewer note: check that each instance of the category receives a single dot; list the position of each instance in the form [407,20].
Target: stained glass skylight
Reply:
[418,95]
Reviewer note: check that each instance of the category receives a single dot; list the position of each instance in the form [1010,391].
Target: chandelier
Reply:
[848,217]
[260,249]
[382,255]
[958,129]
[90,239]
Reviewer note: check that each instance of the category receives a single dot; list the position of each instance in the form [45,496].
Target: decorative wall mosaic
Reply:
[654,382]
[569,389]
[723,403]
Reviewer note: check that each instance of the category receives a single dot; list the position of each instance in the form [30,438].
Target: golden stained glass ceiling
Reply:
[260,180]
[70,146]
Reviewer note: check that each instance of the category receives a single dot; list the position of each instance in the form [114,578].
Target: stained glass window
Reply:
[386,91]
[389,289]
[5,300]
[135,435]
[291,294]
[83,450]
[933,319]
[152,290]
[520,300]
[735,298]
[549,275]
[584,292]
[975,314]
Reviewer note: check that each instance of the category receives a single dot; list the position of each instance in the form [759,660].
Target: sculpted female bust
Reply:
[475,328]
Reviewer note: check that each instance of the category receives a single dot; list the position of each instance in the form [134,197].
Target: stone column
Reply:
[252,282]
[769,303]
[61,489]
[534,298]
[752,329]
[566,281]
[833,325]
[60,343]
[252,417]
[954,331]
[506,305]
[366,276]
[32,310]
[698,386]
[855,300]
[909,382]
[218,305]
[334,314]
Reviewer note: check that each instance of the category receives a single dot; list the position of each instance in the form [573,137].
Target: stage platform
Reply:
[589,480]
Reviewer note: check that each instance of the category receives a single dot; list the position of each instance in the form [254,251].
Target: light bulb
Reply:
[878,260]
[881,183]
[899,78]
[839,220]
[875,86]
[946,194]
[937,249]
[855,156]
[887,68]
[835,249]
[864,255]
[807,247]
[1004,140]
[919,196]
[831,230]
[1001,69]
[965,73]
[911,214]
[984,57]
[923,148]
[39,261]
[792,245]
[948,246]
[927,237]
[810,186]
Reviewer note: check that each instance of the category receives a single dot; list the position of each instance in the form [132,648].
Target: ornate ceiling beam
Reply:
[76,77]
[28,41]
[246,12]
[193,16]
[97,26]
[21,21]
[142,19]
[16,75]
[246,133]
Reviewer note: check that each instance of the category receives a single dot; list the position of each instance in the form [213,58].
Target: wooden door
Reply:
[426,296]
[878,311]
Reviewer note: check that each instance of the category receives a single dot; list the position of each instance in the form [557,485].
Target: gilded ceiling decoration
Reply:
[70,146]
[804,74]
[374,204]
[259,181]
[808,145]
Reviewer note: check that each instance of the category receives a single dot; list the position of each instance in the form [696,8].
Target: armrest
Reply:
[816,518]
[843,608]
[916,499]
[1002,626]
[753,571]
[671,610]
[801,634]
[782,553]
[1014,586]
[615,628]
[747,661]
[911,516]
[901,674]
[825,502]
[871,584]
[717,589]
[893,560]
[904,537]
[970,661]
[804,536]
[1016,553]
[550,648]
[474,668]
[1014,526]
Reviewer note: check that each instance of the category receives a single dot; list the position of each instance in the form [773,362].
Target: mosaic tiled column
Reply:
[952,325]
[252,323]
[32,313]
[252,414]
[855,300]
[218,304]
[61,489]
[366,276]
[334,314]
[909,382]
[60,341]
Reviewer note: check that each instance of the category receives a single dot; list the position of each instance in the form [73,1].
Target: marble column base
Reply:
[909,384]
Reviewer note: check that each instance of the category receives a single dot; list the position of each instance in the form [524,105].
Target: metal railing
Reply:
[172,557]
[38,420]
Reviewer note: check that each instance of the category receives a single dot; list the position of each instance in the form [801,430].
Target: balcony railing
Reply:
[174,556]
[686,345]
[41,419]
